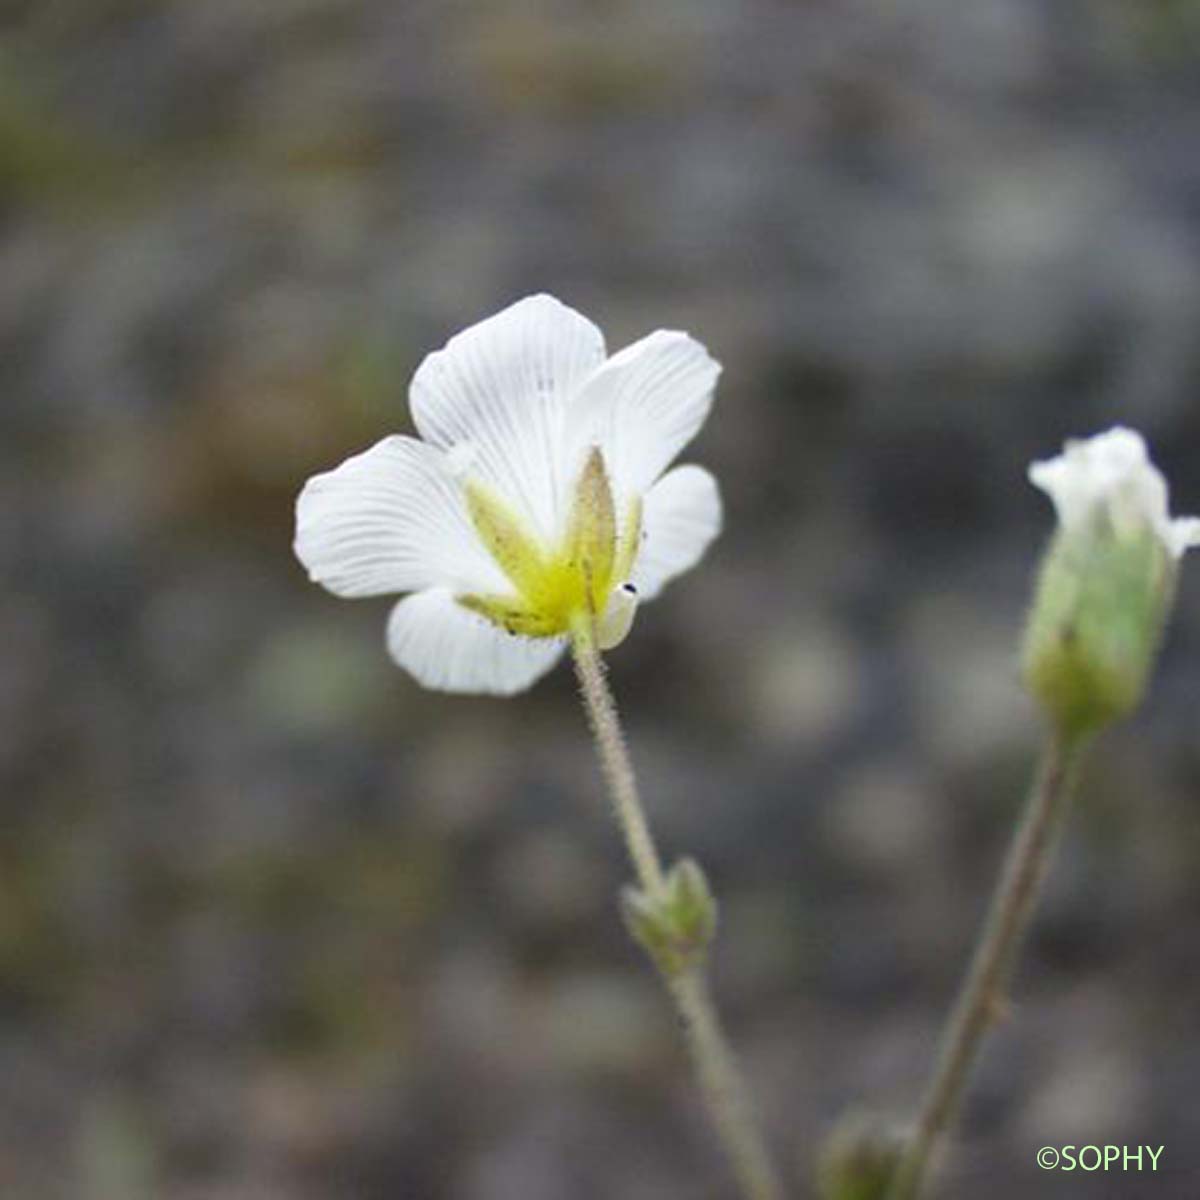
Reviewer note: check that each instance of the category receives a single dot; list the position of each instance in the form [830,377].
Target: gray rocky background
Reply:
[277,925]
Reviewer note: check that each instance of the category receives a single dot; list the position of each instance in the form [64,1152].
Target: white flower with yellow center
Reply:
[533,507]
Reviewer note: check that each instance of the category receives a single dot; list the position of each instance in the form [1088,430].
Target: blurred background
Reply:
[275,924]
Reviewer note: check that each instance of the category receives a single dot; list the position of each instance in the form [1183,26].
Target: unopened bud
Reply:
[859,1159]
[1106,583]
[676,924]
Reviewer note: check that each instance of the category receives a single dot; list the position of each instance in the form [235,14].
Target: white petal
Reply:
[501,388]
[1111,472]
[644,405]
[451,649]
[1090,471]
[1069,490]
[391,519]
[1184,534]
[680,517]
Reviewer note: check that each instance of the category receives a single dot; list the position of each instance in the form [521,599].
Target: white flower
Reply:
[1110,477]
[534,503]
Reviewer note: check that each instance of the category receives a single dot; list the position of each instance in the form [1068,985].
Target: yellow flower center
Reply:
[562,589]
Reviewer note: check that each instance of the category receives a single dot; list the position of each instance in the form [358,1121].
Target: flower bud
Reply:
[859,1159]
[675,925]
[1106,582]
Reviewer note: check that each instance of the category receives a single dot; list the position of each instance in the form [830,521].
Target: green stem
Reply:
[723,1086]
[720,1079]
[981,997]
[615,762]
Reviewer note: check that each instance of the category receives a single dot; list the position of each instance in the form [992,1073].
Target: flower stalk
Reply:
[981,998]
[674,903]
[614,760]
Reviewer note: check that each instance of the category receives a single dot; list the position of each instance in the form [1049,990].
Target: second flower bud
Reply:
[676,924]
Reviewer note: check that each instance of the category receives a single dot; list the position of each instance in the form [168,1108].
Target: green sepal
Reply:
[677,924]
[1097,619]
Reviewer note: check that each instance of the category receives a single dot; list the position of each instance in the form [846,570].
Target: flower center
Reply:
[558,589]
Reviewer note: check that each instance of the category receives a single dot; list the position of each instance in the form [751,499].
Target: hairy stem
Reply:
[720,1079]
[722,1084]
[615,763]
[981,997]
